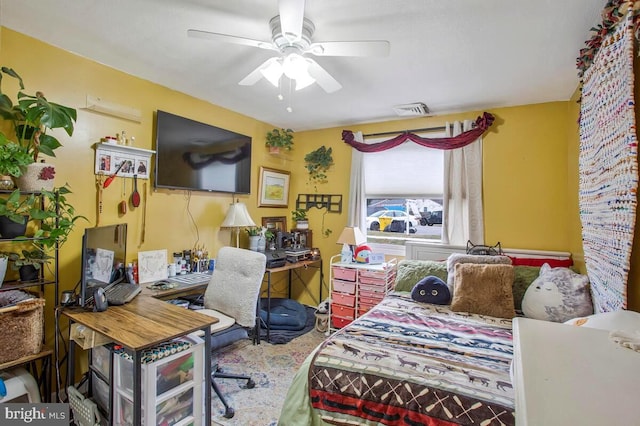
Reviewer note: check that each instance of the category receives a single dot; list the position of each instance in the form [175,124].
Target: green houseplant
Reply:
[299,216]
[56,218]
[55,215]
[13,159]
[31,117]
[317,163]
[28,263]
[15,211]
[279,138]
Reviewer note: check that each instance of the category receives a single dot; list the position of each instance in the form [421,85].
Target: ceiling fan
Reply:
[291,36]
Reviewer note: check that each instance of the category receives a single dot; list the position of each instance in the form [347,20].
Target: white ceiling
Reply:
[454,55]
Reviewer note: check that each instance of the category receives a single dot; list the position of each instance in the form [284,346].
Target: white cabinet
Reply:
[357,287]
[172,386]
[569,375]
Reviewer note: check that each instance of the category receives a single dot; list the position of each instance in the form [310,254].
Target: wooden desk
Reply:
[295,269]
[289,268]
[143,323]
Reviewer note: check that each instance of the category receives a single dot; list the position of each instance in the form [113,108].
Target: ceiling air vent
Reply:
[414,109]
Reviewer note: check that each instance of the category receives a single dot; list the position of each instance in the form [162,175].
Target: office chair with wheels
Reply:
[232,297]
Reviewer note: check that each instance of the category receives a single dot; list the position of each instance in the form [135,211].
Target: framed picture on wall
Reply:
[275,223]
[274,188]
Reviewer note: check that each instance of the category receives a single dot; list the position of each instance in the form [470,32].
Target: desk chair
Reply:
[232,297]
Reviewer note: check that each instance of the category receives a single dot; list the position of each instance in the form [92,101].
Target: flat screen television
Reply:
[200,157]
[104,251]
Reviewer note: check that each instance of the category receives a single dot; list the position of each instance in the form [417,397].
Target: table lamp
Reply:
[349,238]
[237,217]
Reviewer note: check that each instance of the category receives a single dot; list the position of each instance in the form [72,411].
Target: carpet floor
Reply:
[272,367]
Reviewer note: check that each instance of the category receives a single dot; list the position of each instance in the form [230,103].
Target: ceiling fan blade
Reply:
[350,48]
[255,75]
[291,17]
[323,78]
[206,35]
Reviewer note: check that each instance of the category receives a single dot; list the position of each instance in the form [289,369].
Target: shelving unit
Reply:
[172,389]
[41,372]
[357,287]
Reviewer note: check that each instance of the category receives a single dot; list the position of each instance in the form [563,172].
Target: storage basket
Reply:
[22,326]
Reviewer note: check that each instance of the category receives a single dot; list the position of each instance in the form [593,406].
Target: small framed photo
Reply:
[273,187]
[275,223]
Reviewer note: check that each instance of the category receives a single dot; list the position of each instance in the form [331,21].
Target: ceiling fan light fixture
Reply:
[295,66]
[273,72]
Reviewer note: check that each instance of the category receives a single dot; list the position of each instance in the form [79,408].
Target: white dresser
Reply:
[570,375]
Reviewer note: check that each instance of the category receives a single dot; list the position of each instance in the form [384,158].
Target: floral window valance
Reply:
[482,123]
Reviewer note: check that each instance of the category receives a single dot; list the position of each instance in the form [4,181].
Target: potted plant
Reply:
[29,263]
[255,233]
[56,217]
[299,216]
[31,118]
[279,138]
[317,163]
[15,211]
[13,160]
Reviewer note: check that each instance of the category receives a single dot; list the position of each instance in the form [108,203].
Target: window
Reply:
[403,188]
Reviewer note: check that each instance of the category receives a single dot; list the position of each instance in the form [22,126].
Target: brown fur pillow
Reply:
[484,289]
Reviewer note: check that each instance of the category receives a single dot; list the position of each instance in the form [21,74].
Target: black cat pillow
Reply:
[431,289]
[480,249]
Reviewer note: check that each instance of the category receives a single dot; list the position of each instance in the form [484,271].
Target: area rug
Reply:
[272,367]
[608,167]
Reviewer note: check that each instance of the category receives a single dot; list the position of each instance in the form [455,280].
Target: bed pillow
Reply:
[431,290]
[523,277]
[483,289]
[557,295]
[412,271]
[457,258]
[627,321]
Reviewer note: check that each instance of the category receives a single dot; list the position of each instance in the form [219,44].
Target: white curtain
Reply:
[462,198]
[357,202]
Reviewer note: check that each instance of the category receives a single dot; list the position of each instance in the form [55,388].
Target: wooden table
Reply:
[141,324]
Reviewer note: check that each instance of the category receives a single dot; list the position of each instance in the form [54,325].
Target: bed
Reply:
[406,362]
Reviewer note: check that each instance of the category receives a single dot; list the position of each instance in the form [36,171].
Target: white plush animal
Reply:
[558,294]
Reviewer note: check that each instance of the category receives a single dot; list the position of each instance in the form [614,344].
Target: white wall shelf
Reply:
[109,156]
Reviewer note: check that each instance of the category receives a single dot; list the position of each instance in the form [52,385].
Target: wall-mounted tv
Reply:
[200,157]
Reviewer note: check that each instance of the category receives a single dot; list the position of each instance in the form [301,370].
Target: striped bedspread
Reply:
[408,363]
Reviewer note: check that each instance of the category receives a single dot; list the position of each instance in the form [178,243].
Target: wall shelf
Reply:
[332,202]
[109,156]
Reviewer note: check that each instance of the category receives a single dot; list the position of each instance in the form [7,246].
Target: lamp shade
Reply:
[237,216]
[351,236]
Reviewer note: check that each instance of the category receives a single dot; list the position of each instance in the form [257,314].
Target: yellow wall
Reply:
[524,175]
[529,192]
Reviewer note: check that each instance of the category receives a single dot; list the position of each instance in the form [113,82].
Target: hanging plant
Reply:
[279,139]
[317,164]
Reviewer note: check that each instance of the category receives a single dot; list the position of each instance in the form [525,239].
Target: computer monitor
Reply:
[104,251]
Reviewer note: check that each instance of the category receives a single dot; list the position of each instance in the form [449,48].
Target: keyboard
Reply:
[120,294]
[191,279]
